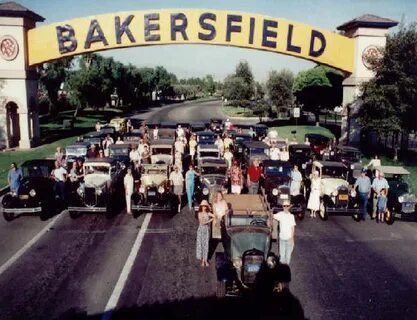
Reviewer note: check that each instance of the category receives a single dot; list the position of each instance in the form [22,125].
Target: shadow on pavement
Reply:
[280,306]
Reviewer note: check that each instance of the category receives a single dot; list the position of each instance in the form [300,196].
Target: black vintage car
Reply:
[102,190]
[36,193]
[197,126]
[75,151]
[213,178]
[120,153]
[261,130]
[239,139]
[318,143]
[300,155]
[216,125]
[276,185]
[402,203]
[254,150]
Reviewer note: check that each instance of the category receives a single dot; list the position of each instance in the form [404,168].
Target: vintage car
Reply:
[75,151]
[207,151]
[197,126]
[402,203]
[238,140]
[213,178]
[246,233]
[117,123]
[216,125]
[154,193]
[205,137]
[36,193]
[102,190]
[276,186]
[162,151]
[336,194]
[318,142]
[133,137]
[93,137]
[120,152]
[301,155]
[254,150]
[350,156]
[261,130]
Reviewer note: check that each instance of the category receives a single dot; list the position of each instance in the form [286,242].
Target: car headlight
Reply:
[304,166]
[332,153]
[161,189]
[205,191]
[275,191]
[237,263]
[352,166]
[32,193]
[142,189]
[401,199]
[335,193]
[99,192]
[80,191]
[321,151]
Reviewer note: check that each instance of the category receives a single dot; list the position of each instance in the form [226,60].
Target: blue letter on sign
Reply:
[207,26]
[290,46]
[93,37]
[317,35]
[66,39]
[178,27]
[269,34]
[230,27]
[124,28]
[151,26]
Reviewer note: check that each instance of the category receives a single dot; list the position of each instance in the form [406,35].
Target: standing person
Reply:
[227,142]
[228,125]
[192,144]
[119,140]
[155,133]
[296,179]
[179,146]
[190,176]
[178,160]
[236,178]
[381,205]
[203,233]
[92,153]
[220,207]
[59,155]
[252,133]
[180,131]
[378,184]
[314,199]
[374,163]
[177,182]
[76,174]
[274,152]
[14,178]
[129,126]
[98,126]
[287,224]
[129,186]
[284,155]
[363,186]
[253,177]
[220,145]
[59,174]
[101,153]
[228,156]
[134,157]
[146,155]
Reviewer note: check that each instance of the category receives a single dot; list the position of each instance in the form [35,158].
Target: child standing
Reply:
[381,205]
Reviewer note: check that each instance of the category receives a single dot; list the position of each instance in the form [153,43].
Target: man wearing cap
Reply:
[378,184]
[363,186]
[254,175]
[177,182]
[287,224]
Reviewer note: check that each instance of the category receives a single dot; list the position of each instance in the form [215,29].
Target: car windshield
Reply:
[161,150]
[76,150]
[155,171]
[96,169]
[243,241]
[213,170]
[240,140]
[205,138]
[214,180]
[35,171]
[258,151]
[351,155]
[119,151]
[334,172]
[277,171]
[209,154]
[398,185]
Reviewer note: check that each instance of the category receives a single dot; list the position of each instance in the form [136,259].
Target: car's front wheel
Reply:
[323,211]
[8,216]
[389,217]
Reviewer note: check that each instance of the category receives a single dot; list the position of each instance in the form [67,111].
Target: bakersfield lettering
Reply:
[179,31]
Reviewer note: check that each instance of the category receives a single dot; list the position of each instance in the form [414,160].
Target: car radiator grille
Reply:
[90,198]
[251,268]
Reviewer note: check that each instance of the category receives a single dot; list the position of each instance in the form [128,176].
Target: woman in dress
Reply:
[314,199]
[59,155]
[190,176]
[220,207]
[203,233]
[192,144]
[236,178]
[128,182]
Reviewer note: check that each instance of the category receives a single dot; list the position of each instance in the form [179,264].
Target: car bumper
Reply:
[87,209]
[151,208]
[343,210]
[293,209]
[22,210]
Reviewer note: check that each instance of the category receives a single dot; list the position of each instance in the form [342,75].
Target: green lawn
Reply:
[285,132]
[232,111]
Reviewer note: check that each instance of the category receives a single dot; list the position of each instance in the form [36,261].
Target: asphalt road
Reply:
[78,269]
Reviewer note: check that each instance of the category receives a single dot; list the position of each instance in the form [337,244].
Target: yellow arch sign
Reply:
[189,26]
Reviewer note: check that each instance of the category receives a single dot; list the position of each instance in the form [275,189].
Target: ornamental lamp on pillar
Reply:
[369,32]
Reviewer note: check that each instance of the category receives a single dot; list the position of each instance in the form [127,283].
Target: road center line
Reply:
[28,245]
[117,291]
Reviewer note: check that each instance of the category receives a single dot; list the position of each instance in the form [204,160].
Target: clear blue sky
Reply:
[186,60]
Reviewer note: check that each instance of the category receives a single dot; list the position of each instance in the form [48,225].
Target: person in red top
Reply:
[254,175]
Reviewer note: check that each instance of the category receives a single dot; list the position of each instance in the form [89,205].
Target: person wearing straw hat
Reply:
[287,225]
[203,232]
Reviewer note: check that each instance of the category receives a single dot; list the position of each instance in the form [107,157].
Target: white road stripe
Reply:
[28,245]
[117,291]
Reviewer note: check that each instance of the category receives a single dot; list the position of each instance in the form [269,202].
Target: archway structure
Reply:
[22,46]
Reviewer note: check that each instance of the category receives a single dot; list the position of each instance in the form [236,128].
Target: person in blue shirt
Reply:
[190,176]
[363,186]
[381,205]
[14,178]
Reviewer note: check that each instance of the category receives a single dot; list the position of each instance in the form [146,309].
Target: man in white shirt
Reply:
[177,182]
[179,146]
[128,182]
[134,157]
[286,222]
[59,174]
[274,153]
[180,131]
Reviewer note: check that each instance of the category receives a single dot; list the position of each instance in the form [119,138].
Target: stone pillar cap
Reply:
[368,21]
[15,10]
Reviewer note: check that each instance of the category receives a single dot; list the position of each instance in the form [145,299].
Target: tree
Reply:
[259,91]
[235,89]
[244,72]
[319,89]
[279,88]
[389,100]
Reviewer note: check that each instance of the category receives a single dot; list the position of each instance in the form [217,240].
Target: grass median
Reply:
[286,132]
